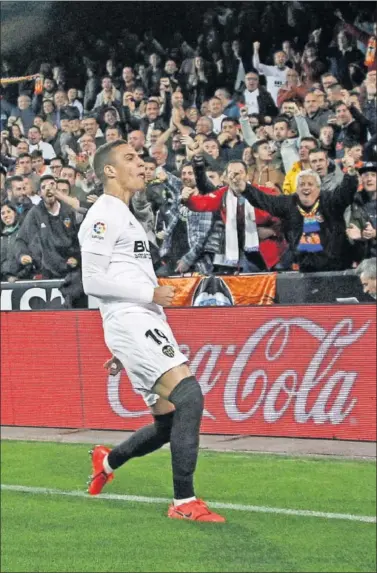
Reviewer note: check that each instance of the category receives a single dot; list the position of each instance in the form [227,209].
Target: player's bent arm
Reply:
[96,282]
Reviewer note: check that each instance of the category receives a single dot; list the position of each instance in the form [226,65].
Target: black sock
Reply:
[188,400]
[143,441]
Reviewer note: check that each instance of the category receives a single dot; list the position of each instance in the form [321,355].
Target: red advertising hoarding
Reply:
[306,371]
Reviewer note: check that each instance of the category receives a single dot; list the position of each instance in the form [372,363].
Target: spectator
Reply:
[10,225]
[348,127]
[52,137]
[91,89]
[313,221]
[257,98]
[361,217]
[16,195]
[276,75]
[232,147]
[160,154]
[56,166]
[369,41]
[24,112]
[91,127]
[292,88]
[137,140]
[198,227]
[251,239]
[306,145]
[329,172]
[154,73]
[109,96]
[327,140]
[216,114]
[316,117]
[24,168]
[367,273]
[112,134]
[38,163]
[73,101]
[48,235]
[230,107]
[342,56]
[36,143]
[262,173]
[369,104]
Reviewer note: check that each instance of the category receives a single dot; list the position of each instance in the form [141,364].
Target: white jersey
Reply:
[117,269]
[111,230]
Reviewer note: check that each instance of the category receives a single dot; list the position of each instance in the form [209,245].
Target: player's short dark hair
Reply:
[22,155]
[102,157]
[35,126]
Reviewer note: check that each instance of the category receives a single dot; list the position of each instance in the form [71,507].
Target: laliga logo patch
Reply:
[99,229]
[168,351]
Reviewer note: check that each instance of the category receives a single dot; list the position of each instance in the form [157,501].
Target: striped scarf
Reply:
[310,241]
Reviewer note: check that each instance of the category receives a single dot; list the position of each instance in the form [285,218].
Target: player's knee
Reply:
[163,424]
[188,392]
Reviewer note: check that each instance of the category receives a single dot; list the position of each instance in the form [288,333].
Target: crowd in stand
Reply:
[255,161]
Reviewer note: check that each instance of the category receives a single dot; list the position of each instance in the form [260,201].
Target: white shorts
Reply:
[145,345]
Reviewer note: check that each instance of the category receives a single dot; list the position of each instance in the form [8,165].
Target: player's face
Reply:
[128,169]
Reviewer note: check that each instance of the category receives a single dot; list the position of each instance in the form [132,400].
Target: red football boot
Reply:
[195,510]
[99,477]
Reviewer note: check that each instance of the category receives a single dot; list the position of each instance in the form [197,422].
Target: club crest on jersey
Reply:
[168,351]
[67,222]
[99,230]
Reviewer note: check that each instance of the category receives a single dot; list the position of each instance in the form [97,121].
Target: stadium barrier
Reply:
[258,289]
[298,371]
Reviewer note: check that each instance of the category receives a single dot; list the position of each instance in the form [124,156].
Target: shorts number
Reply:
[156,335]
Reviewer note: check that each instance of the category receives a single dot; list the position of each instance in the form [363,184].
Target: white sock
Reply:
[106,466]
[180,501]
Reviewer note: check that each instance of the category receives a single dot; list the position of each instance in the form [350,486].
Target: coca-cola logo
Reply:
[322,393]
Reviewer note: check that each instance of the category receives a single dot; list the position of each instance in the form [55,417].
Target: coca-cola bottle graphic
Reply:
[212,291]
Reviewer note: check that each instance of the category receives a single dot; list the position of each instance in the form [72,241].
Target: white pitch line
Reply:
[217,505]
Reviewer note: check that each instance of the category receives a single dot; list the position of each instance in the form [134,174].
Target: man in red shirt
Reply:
[252,241]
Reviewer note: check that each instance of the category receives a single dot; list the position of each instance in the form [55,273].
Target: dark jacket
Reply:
[363,211]
[228,153]
[317,120]
[335,254]
[49,240]
[161,122]
[265,102]
[7,244]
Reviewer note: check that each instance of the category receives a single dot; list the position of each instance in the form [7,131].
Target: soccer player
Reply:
[117,269]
